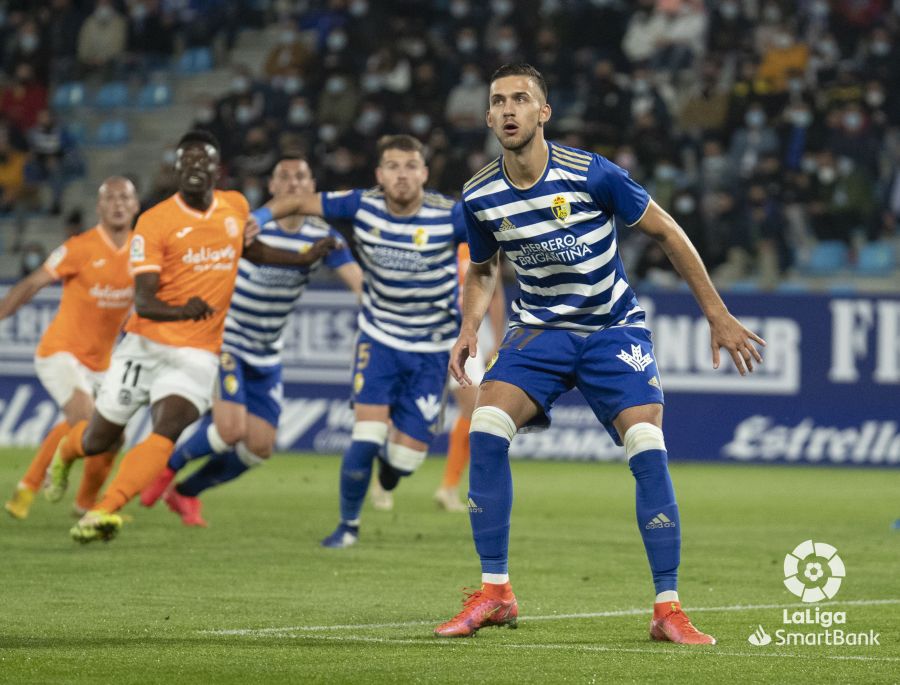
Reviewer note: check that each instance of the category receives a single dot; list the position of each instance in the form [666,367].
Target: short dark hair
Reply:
[399,141]
[200,136]
[521,69]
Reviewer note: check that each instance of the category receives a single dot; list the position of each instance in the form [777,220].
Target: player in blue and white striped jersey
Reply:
[242,429]
[406,238]
[555,212]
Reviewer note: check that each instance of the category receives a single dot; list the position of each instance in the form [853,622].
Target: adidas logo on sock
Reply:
[506,224]
[660,521]
[474,508]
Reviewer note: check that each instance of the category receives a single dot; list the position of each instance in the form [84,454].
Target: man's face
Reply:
[402,174]
[516,110]
[197,166]
[117,203]
[292,177]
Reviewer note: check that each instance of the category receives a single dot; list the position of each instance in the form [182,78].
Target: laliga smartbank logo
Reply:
[813,571]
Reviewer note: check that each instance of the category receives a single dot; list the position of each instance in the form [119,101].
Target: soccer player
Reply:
[184,255]
[555,212]
[74,352]
[406,239]
[447,495]
[241,432]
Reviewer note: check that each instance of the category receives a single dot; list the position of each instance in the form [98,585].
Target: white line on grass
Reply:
[546,617]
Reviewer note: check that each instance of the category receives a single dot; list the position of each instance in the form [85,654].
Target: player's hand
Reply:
[319,249]
[251,230]
[196,309]
[465,347]
[726,331]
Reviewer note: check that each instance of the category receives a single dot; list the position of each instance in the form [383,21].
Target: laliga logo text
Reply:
[813,571]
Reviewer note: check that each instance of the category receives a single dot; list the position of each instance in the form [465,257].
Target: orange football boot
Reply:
[671,624]
[490,606]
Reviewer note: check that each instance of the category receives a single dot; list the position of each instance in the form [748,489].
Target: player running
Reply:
[242,429]
[184,255]
[406,238]
[74,352]
[555,211]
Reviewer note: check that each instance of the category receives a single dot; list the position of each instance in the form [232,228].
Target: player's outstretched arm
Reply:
[260,253]
[725,330]
[147,305]
[478,289]
[309,204]
[22,292]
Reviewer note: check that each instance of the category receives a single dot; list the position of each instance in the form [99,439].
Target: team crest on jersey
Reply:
[137,249]
[231,227]
[226,361]
[420,236]
[560,208]
[358,383]
[231,384]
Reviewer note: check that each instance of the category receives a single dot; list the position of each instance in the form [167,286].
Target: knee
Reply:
[261,447]
[370,431]
[494,421]
[92,442]
[404,459]
[232,433]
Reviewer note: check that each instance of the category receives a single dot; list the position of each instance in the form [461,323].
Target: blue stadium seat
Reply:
[791,288]
[68,96]
[827,257]
[112,133]
[195,61]
[876,259]
[153,96]
[112,95]
[747,285]
[77,130]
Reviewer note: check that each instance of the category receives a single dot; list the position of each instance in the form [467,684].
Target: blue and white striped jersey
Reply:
[410,289]
[560,235]
[264,296]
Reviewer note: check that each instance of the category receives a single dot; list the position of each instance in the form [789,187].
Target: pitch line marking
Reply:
[546,617]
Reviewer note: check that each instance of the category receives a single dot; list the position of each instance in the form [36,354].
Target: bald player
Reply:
[97,294]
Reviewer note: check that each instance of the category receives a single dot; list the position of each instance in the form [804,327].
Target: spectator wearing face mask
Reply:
[842,199]
[150,33]
[782,56]
[23,98]
[752,141]
[102,39]
[338,101]
[855,139]
[465,106]
[54,157]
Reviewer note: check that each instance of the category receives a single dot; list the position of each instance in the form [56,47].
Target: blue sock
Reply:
[194,447]
[490,499]
[220,468]
[356,470]
[657,516]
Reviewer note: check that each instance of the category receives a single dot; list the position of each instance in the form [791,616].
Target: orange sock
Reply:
[72,449]
[96,470]
[137,470]
[34,476]
[457,454]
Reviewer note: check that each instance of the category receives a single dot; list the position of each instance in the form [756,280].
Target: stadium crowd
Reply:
[761,125]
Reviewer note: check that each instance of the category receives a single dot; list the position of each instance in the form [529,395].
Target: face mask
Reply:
[253,195]
[506,46]
[771,14]
[466,44]
[243,114]
[28,42]
[459,9]
[299,115]
[420,123]
[416,48]
[369,120]
[829,49]
[801,118]
[874,98]
[138,12]
[287,37]
[820,9]
[104,13]
[371,83]
[205,115]
[666,172]
[335,86]
[755,118]
[729,10]
[783,41]
[827,175]
[469,78]
[240,85]
[292,85]
[685,204]
[880,48]
[337,41]
[641,87]
[328,133]
[795,85]
[501,8]
[809,165]
[845,166]
[359,8]
[853,121]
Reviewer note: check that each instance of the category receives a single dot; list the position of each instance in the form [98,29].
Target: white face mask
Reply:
[299,115]
[28,42]
[369,120]
[755,118]
[243,114]
[335,86]
[506,46]
[459,9]
[287,37]
[466,44]
[292,85]
[359,8]
[874,98]
[685,204]
[240,85]
[371,83]
[104,13]
[328,133]
[800,117]
[420,124]
[469,78]
[205,115]
[501,8]
[827,174]
[336,41]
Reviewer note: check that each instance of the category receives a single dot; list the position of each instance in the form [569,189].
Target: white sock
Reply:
[215,440]
[495,578]
[667,596]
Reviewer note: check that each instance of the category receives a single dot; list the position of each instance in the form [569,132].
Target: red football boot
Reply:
[188,508]
[671,624]
[491,606]
[155,490]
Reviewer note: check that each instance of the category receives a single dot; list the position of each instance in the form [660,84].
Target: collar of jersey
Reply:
[543,175]
[193,212]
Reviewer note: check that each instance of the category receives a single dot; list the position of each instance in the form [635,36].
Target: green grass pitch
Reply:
[254,599]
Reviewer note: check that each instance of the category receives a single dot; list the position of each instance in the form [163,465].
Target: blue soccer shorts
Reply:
[613,368]
[410,383]
[256,387]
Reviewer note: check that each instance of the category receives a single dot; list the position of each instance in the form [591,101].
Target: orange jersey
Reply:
[195,254]
[97,293]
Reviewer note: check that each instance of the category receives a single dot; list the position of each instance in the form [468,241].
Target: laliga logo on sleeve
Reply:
[813,571]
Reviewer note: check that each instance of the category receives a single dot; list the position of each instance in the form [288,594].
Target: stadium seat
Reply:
[111,96]
[827,257]
[747,285]
[195,61]
[68,96]
[77,130]
[111,133]
[876,259]
[153,96]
